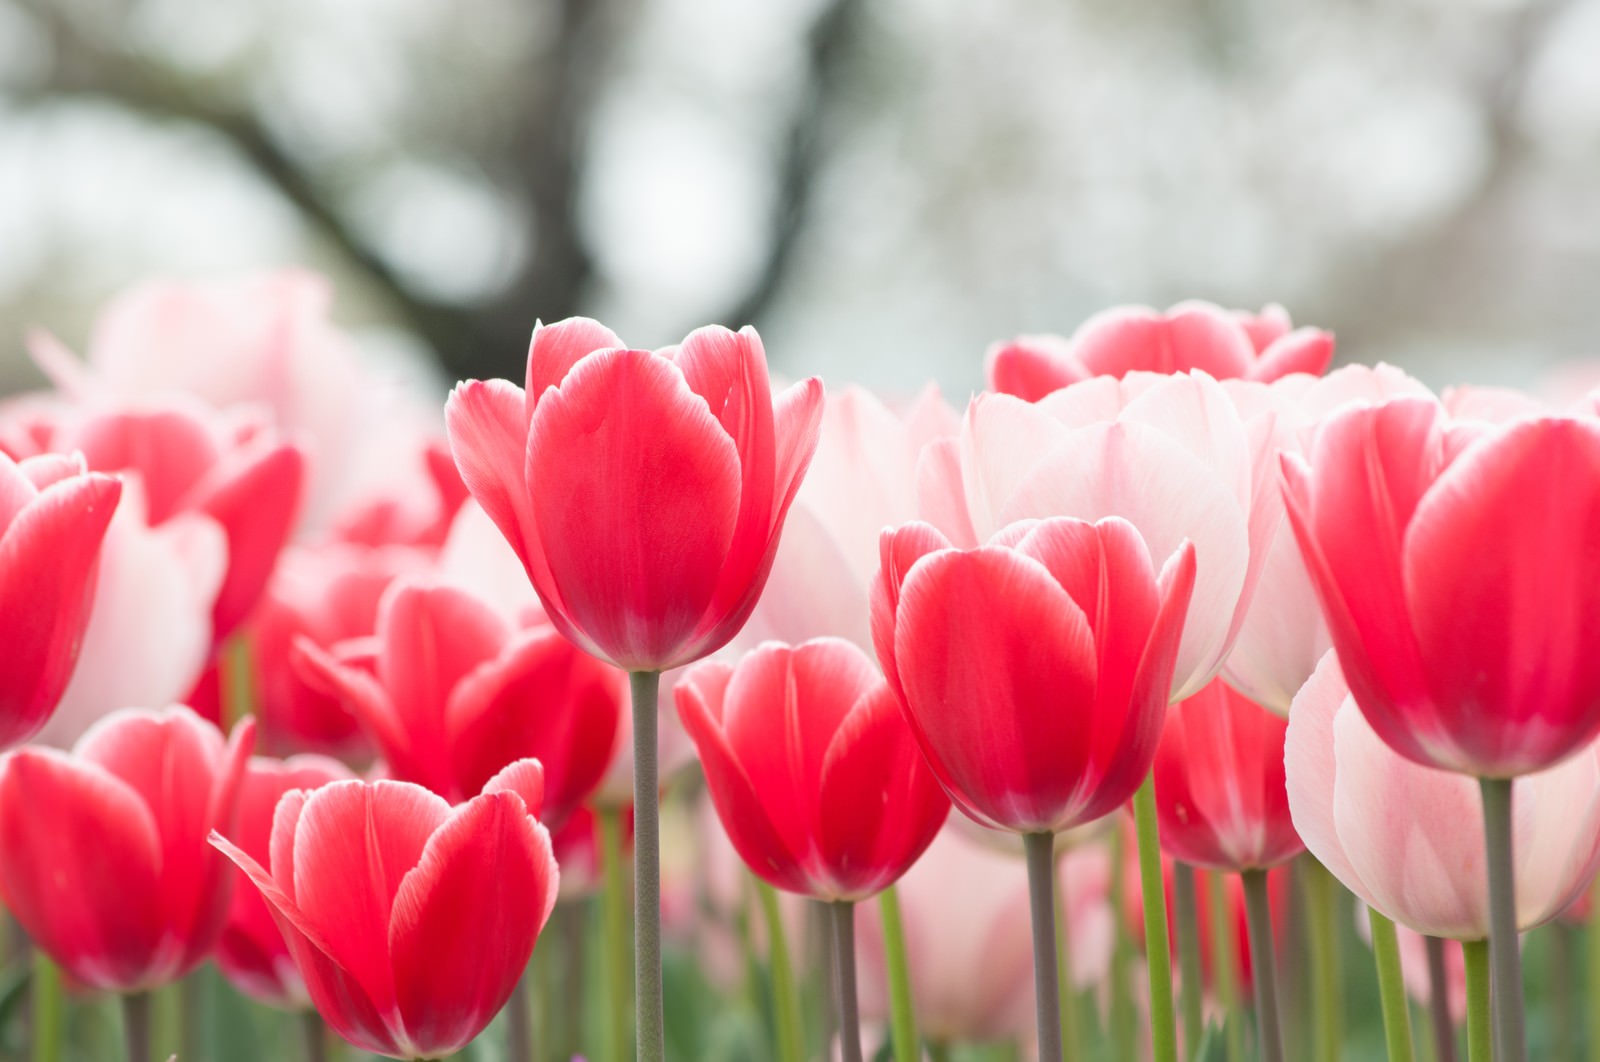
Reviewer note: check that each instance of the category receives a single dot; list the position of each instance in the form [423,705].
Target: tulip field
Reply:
[1180,695]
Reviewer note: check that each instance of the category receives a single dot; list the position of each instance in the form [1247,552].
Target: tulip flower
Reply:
[1035,673]
[103,854]
[1219,783]
[53,520]
[451,693]
[644,493]
[410,922]
[251,952]
[1191,335]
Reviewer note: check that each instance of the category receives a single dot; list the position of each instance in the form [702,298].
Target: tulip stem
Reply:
[237,678]
[1264,963]
[1071,1037]
[842,917]
[650,1022]
[785,1000]
[1186,912]
[1322,909]
[1041,854]
[314,1036]
[1121,1015]
[902,1022]
[48,1012]
[1391,988]
[1593,951]
[614,932]
[1158,954]
[1225,964]
[1444,1030]
[519,1020]
[136,1026]
[1505,955]
[1480,1004]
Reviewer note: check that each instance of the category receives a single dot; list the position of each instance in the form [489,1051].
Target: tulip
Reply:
[1219,783]
[410,922]
[251,952]
[451,693]
[1035,673]
[53,519]
[103,855]
[1191,335]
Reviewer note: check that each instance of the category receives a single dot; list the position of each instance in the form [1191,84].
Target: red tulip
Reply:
[451,693]
[410,921]
[1455,564]
[1220,794]
[251,953]
[1034,670]
[53,519]
[644,492]
[813,771]
[1191,335]
[103,854]
[189,460]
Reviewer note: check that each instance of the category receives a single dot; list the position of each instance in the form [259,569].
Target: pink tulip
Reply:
[252,953]
[410,922]
[1453,563]
[451,694]
[53,520]
[103,854]
[1169,454]
[1190,336]
[862,479]
[1408,840]
[1034,670]
[812,768]
[644,492]
[1220,794]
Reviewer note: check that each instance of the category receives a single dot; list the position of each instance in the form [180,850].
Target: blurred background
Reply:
[882,188]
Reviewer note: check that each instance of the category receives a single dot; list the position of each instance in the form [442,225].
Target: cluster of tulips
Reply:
[347,697]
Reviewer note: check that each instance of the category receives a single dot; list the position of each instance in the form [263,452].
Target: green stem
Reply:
[1592,932]
[1391,988]
[193,1002]
[1480,1002]
[1505,955]
[902,1022]
[1163,1026]
[519,1020]
[1322,909]
[1122,1019]
[1071,1037]
[48,1009]
[1225,964]
[238,680]
[785,1000]
[1040,849]
[615,946]
[1186,912]
[1444,1029]
[842,916]
[649,1019]
[313,1036]
[136,1026]
[1563,991]
[1263,963]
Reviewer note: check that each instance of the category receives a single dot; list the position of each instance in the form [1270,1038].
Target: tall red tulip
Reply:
[451,694]
[812,768]
[1455,565]
[1220,792]
[410,921]
[643,491]
[103,854]
[53,519]
[1035,669]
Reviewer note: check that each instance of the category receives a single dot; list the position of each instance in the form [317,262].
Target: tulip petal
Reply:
[84,880]
[460,936]
[554,350]
[170,449]
[638,505]
[1118,341]
[524,777]
[1031,367]
[1307,350]
[1311,769]
[942,492]
[256,498]
[899,548]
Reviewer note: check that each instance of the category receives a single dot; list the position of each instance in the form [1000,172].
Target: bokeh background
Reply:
[883,188]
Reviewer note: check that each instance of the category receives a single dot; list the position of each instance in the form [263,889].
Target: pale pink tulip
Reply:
[1408,839]
[1170,454]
